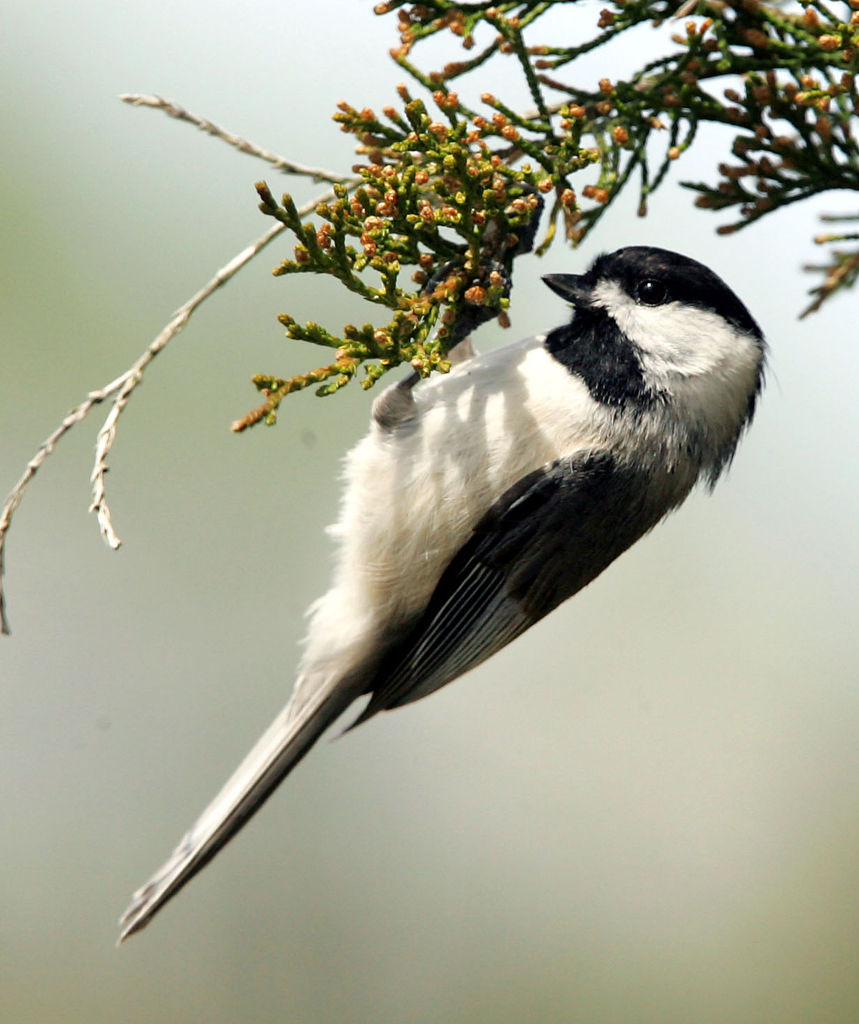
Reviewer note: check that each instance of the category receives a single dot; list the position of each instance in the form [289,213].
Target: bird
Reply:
[483,498]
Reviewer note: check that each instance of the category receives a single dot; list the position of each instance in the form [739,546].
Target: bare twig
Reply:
[133,375]
[74,416]
[123,387]
[243,145]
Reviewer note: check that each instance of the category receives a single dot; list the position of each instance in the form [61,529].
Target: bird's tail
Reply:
[278,750]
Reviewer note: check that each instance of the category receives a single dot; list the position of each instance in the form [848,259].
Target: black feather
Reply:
[547,537]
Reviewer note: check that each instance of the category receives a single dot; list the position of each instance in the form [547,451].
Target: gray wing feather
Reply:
[547,537]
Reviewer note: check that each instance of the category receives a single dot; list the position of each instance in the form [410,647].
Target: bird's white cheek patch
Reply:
[676,339]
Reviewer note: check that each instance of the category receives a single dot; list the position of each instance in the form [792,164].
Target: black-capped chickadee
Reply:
[482,499]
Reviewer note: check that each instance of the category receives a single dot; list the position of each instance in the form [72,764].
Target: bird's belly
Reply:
[414,493]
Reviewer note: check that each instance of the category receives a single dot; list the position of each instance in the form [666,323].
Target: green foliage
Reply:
[449,195]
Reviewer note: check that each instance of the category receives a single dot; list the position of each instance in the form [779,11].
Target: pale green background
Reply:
[646,810]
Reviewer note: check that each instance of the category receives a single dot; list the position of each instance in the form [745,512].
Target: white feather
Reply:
[473,433]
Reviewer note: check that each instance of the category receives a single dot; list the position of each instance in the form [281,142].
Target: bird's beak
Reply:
[571,287]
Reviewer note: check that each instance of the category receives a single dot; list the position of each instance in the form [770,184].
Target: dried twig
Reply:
[123,387]
[74,416]
[126,384]
[243,145]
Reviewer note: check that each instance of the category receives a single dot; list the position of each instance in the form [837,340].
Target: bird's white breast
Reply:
[415,491]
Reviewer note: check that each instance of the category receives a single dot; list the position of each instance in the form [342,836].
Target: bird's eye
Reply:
[652,293]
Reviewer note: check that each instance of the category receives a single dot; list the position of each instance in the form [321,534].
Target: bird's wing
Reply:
[543,540]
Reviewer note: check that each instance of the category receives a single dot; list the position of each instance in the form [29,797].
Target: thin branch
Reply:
[74,416]
[134,374]
[243,145]
[123,387]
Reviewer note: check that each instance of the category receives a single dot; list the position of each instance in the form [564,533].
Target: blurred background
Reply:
[645,810]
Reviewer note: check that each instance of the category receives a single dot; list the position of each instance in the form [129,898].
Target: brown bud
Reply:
[599,195]
[757,39]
